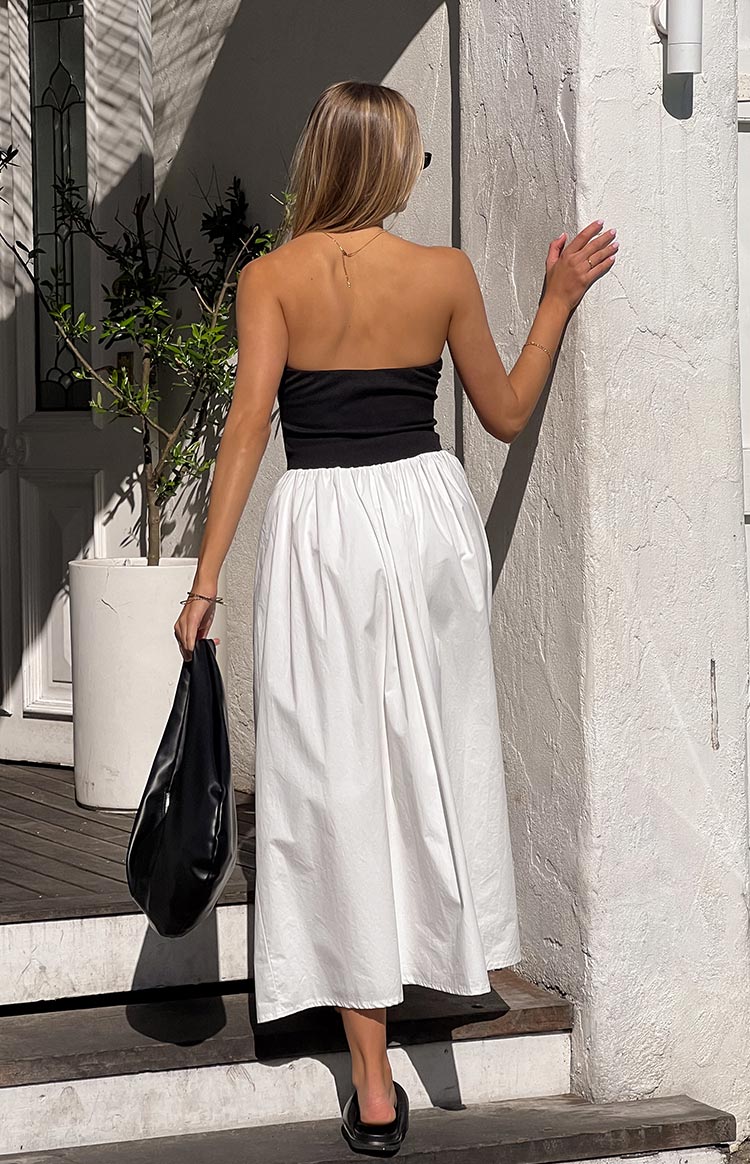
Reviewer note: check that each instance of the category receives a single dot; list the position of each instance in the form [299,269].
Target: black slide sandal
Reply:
[375,1139]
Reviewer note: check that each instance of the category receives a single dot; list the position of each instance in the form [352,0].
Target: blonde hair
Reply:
[356,161]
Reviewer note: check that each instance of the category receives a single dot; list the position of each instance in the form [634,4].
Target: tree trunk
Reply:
[153,527]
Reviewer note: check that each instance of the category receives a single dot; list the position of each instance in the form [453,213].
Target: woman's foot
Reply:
[377,1097]
[375,1139]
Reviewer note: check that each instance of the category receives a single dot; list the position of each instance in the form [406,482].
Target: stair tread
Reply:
[534,1131]
[131,1036]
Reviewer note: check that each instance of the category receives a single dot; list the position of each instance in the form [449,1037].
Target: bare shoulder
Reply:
[276,259]
[291,252]
[262,268]
[449,265]
[430,253]
[457,262]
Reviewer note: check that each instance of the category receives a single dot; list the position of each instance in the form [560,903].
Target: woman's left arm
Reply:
[263,345]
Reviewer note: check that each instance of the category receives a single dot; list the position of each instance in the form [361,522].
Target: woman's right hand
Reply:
[194,623]
[569,274]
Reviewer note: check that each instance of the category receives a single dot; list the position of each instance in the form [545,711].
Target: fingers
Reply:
[186,631]
[601,247]
[597,252]
[186,647]
[556,246]
[584,237]
[601,259]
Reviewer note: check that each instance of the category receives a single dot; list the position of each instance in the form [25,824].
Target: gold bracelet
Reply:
[191,597]
[536,345]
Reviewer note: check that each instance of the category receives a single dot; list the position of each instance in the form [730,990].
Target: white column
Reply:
[621,608]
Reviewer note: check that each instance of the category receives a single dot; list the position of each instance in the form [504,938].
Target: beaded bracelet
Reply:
[537,345]
[192,597]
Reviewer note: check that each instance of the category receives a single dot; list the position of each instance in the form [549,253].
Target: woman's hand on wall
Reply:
[572,269]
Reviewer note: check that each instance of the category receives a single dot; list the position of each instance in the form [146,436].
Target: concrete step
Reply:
[669,1130]
[162,1066]
[116,950]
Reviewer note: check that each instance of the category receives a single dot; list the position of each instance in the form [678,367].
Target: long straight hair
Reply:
[356,161]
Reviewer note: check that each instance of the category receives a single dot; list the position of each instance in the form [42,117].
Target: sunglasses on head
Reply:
[427,160]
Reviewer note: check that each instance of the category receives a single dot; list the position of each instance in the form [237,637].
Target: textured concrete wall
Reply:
[665,573]
[518,164]
[622,604]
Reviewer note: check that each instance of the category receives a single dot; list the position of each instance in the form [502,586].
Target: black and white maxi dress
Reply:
[383,849]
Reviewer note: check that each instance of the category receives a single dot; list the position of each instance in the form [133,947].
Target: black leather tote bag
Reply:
[183,844]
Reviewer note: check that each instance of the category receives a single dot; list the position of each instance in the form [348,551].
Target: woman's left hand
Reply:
[194,623]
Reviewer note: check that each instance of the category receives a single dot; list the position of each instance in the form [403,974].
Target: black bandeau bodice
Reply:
[358,416]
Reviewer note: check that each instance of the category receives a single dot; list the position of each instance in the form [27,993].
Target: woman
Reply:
[383,850]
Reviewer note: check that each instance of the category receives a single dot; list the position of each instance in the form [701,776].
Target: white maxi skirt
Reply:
[382,844]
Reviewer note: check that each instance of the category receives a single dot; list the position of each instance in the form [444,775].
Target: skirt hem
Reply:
[283,1011]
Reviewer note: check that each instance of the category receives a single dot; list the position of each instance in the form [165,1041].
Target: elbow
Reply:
[508,420]
[515,432]
[506,431]
[247,428]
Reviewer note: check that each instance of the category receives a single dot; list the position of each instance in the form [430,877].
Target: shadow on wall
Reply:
[234,92]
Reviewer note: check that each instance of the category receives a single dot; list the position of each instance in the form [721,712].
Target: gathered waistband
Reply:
[322,452]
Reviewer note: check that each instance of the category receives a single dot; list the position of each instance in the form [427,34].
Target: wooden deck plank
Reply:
[60,780]
[40,883]
[75,839]
[47,792]
[108,867]
[36,795]
[83,827]
[10,892]
[60,812]
[54,868]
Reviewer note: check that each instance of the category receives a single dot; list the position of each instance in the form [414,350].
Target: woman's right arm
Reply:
[504,401]
[262,342]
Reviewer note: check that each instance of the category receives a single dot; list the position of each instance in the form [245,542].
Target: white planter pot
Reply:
[126,662]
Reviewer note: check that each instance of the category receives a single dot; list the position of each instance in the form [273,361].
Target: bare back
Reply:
[406,301]
[395,314]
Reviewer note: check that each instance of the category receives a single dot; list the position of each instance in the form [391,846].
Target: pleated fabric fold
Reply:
[382,841]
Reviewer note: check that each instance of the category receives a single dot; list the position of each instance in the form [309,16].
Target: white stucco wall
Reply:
[667,651]
[621,610]
[518,163]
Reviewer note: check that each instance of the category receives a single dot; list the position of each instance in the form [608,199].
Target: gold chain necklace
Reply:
[348,254]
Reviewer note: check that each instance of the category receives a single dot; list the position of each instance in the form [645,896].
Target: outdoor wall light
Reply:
[681,22]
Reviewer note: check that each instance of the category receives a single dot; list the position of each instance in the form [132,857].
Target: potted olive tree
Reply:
[171,312]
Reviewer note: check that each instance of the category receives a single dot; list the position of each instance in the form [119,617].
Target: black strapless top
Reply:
[357,416]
